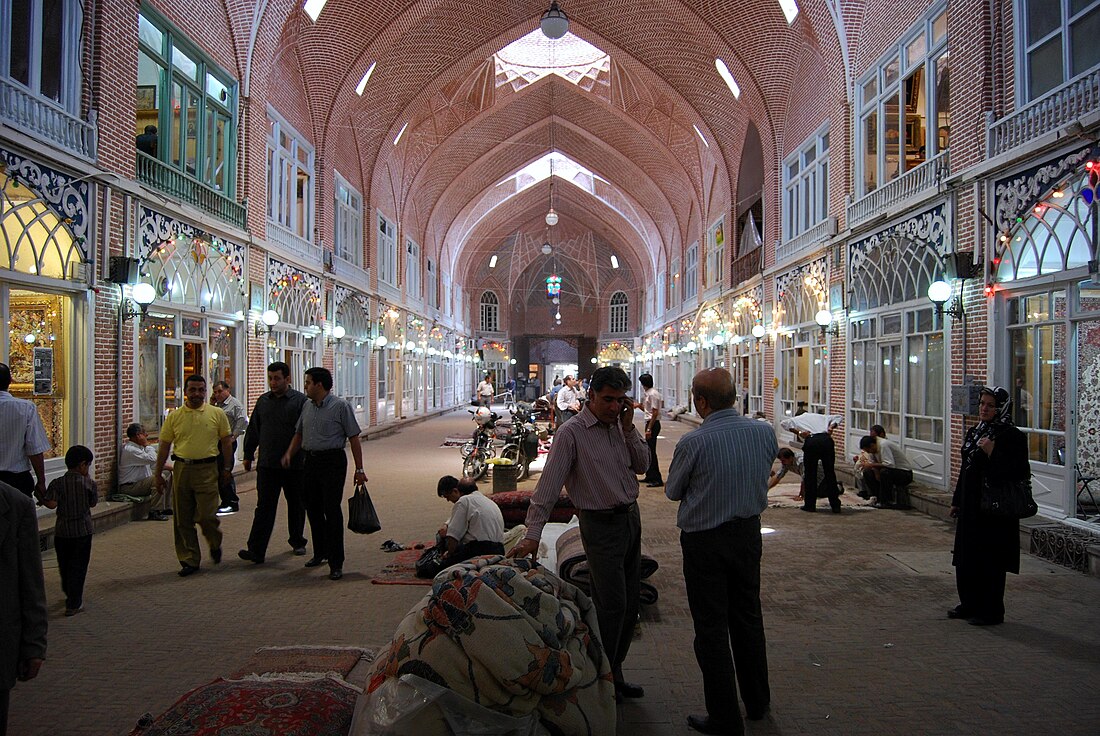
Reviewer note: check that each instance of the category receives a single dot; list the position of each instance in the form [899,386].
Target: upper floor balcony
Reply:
[806,241]
[294,244]
[174,182]
[44,121]
[922,181]
[1053,111]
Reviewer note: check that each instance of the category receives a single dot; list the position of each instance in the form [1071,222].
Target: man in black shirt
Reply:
[272,427]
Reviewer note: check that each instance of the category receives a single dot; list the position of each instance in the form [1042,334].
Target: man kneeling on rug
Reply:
[476,526]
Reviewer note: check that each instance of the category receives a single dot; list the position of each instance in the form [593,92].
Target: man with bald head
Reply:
[719,474]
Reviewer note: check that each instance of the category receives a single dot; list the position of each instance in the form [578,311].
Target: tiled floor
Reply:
[854,606]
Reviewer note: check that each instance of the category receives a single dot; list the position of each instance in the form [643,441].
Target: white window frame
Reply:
[674,298]
[716,253]
[432,284]
[347,241]
[877,94]
[412,269]
[662,280]
[691,271]
[490,312]
[618,320]
[72,22]
[1062,33]
[387,250]
[446,304]
[284,166]
[806,185]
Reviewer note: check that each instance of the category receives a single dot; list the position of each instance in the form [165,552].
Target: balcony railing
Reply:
[40,119]
[923,180]
[288,241]
[1045,115]
[169,180]
[804,242]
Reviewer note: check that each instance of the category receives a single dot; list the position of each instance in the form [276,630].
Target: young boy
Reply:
[73,495]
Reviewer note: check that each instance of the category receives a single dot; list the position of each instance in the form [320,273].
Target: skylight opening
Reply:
[724,72]
[366,77]
[790,10]
[400,133]
[701,136]
[313,8]
[614,262]
[493,262]
[534,56]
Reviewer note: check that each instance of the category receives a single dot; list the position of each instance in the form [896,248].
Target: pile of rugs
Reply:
[507,637]
[513,506]
[573,566]
[290,691]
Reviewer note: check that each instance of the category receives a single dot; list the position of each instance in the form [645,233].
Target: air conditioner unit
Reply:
[833,227]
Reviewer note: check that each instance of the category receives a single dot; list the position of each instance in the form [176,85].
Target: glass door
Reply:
[170,383]
[890,388]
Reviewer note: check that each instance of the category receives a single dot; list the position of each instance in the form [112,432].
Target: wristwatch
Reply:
[358,470]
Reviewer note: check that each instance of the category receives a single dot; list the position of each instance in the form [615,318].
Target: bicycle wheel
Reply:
[475,466]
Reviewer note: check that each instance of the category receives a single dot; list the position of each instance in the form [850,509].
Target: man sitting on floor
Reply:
[135,472]
[476,526]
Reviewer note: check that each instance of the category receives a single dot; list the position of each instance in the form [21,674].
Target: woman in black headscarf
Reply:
[987,547]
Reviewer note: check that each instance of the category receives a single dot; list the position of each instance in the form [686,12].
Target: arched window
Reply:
[490,312]
[618,317]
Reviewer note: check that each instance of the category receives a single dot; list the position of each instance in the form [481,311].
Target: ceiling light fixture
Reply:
[553,23]
[546,249]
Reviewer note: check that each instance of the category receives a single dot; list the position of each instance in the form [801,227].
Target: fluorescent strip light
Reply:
[400,133]
[313,8]
[701,137]
[363,82]
[614,262]
[724,72]
[493,262]
[790,10]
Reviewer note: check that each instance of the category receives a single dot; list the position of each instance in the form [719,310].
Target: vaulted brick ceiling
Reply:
[632,126]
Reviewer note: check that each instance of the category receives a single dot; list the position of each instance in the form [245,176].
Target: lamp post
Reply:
[824,319]
[137,305]
[938,293]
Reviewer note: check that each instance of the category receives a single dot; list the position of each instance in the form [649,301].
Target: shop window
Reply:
[186,106]
[290,161]
[1037,371]
[1058,42]
[716,254]
[190,267]
[34,239]
[904,105]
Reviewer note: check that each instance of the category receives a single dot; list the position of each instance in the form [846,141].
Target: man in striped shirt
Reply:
[598,458]
[719,474]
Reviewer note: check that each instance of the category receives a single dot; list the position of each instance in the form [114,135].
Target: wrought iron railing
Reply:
[1048,113]
[174,182]
[42,120]
[922,180]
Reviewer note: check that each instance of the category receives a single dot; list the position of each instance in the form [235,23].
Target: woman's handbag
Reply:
[1011,500]
[362,518]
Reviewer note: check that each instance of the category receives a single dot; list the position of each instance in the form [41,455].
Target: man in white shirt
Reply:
[651,405]
[476,526]
[25,442]
[485,391]
[895,473]
[135,472]
[568,401]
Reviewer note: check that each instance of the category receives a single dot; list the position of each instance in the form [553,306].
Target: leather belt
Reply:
[321,453]
[620,509]
[200,461]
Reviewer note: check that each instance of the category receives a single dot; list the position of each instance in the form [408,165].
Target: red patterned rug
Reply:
[321,707]
[402,569]
[297,661]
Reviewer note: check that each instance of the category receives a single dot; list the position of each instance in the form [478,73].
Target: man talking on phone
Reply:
[598,458]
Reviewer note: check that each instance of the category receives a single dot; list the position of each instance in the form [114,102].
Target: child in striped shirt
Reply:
[73,495]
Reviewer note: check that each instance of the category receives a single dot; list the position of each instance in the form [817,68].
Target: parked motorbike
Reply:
[523,446]
[479,449]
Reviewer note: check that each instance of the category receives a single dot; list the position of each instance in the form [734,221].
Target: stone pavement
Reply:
[854,607]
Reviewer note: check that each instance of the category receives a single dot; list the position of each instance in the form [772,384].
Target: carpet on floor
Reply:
[300,662]
[455,441]
[318,707]
[785,496]
[402,568]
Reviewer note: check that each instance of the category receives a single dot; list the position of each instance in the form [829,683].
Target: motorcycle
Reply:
[479,449]
[523,445]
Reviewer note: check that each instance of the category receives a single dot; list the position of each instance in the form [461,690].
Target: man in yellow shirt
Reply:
[200,432]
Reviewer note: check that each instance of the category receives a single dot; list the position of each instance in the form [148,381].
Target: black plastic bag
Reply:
[430,563]
[362,518]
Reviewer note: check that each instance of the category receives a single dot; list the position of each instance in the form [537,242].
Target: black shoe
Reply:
[226,510]
[315,562]
[811,509]
[300,551]
[246,555]
[157,516]
[957,612]
[166,512]
[216,555]
[629,690]
[757,714]
[706,724]
[836,508]
[655,484]
[336,574]
[188,570]
[982,621]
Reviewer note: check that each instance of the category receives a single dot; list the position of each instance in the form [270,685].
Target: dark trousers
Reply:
[819,448]
[23,482]
[613,546]
[981,591]
[227,488]
[893,490]
[722,576]
[73,555]
[5,698]
[269,482]
[653,473]
[473,549]
[324,495]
